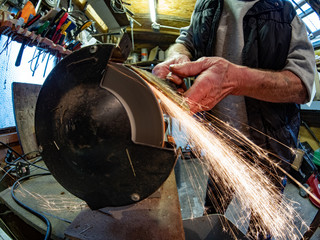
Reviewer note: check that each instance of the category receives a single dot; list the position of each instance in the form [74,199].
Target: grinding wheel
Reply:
[100,130]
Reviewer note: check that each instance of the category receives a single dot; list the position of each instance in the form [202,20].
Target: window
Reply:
[308,16]
[9,73]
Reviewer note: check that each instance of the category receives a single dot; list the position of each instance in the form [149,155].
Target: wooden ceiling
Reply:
[172,13]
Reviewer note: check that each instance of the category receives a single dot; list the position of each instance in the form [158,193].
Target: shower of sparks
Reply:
[54,203]
[228,166]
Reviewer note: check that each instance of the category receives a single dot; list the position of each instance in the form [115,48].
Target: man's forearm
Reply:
[218,78]
[178,48]
[280,87]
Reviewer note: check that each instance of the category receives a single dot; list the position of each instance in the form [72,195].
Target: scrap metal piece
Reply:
[24,100]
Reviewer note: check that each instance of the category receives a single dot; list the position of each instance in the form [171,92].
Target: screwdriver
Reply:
[53,22]
[61,33]
[83,27]
[62,20]
[33,20]
[43,27]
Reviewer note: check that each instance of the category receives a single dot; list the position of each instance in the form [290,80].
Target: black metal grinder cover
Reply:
[100,130]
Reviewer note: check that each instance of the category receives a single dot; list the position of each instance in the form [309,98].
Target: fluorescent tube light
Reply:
[152,8]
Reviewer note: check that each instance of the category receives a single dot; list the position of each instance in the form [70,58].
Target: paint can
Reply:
[144,54]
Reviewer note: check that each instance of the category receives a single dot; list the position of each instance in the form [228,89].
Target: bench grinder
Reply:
[100,130]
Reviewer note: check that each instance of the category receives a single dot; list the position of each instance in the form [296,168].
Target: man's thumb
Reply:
[186,69]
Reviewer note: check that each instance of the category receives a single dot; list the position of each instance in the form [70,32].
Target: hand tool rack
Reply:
[19,34]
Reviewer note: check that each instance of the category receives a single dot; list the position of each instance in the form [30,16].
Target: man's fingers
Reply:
[187,69]
[175,79]
[160,72]
[183,86]
[198,96]
[180,91]
[194,99]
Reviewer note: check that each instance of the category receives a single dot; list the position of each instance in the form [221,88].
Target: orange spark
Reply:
[273,213]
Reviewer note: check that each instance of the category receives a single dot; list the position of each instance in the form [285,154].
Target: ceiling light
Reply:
[152,8]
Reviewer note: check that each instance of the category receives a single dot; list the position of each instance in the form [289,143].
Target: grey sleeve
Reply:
[186,38]
[301,57]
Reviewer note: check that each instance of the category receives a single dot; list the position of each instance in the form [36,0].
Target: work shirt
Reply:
[229,45]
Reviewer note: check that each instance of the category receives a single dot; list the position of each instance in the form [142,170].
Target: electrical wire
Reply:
[7,146]
[115,8]
[32,164]
[6,173]
[12,166]
[54,216]
[33,211]
[22,157]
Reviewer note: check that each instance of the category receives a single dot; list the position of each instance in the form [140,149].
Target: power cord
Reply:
[22,165]
[6,173]
[38,214]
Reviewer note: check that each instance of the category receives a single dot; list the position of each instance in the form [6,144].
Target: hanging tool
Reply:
[33,21]
[19,57]
[83,27]
[27,10]
[43,27]
[62,21]
[74,45]
[38,5]
[53,23]
[70,7]
[60,31]
[62,38]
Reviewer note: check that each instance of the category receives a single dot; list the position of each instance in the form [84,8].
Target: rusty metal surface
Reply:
[157,217]
[213,226]
[24,101]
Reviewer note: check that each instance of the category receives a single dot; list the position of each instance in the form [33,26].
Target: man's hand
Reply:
[162,70]
[218,78]
[211,86]
[177,54]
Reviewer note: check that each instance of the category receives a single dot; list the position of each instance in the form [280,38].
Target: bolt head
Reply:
[93,49]
[135,197]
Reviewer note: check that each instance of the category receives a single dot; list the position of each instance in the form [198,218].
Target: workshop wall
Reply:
[27,72]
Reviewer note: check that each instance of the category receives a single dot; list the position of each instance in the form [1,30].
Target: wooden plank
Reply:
[9,138]
[24,100]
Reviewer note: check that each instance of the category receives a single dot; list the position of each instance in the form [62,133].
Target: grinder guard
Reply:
[100,130]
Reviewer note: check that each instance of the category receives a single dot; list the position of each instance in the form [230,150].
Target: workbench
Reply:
[45,195]
[70,216]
